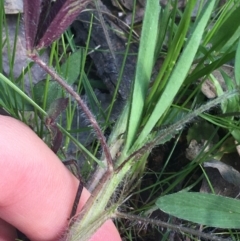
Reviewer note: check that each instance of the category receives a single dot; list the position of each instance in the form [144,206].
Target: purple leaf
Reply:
[56,135]
[57,138]
[32,9]
[58,17]
[49,11]
[45,11]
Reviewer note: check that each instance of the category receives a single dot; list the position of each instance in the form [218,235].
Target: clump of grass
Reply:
[172,99]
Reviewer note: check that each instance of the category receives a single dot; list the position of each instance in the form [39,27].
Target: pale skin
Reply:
[36,190]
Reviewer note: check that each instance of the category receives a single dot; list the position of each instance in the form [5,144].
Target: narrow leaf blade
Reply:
[32,11]
[144,67]
[237,65]
[179,73]
[227,29]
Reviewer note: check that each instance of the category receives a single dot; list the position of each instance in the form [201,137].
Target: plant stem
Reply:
[80,102]
[178,228]
[173,129]
[100,204]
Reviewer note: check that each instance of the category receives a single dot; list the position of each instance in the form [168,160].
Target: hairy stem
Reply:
[144,220]
[80,102]
[173,129]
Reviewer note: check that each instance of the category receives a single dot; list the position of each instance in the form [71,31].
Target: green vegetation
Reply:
[160,108]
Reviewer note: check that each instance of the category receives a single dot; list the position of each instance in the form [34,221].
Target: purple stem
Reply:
[80,102]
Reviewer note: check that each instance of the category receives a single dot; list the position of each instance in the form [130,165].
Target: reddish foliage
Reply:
[46,20]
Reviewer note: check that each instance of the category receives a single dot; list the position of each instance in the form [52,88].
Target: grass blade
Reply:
[21,93]
[179,73]
[237,64]
[144,68]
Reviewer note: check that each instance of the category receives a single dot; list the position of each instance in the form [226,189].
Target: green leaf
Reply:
[231,105]
[11,99]
[21,93]
[71,68]
[174,49]
[237,65]
[207,209]
[144,67]
[226,31]
[54,92]
[207,69]
[179,73]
